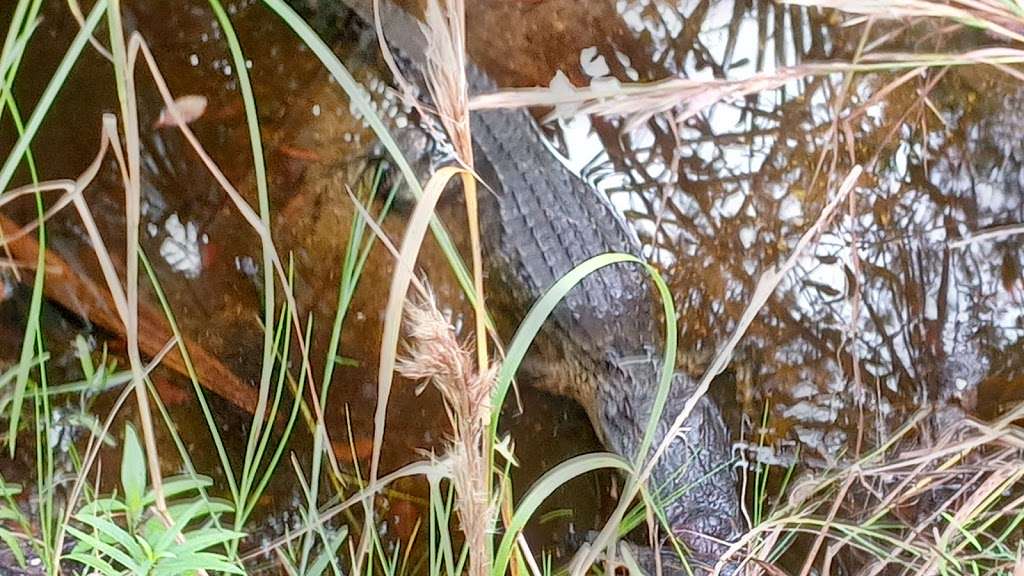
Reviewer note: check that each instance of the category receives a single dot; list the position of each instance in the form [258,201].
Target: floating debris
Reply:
[180,249]
[190,107]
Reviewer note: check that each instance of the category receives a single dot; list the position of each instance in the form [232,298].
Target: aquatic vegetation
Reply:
[929,497]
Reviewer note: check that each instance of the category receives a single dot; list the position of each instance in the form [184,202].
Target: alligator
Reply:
[602,345]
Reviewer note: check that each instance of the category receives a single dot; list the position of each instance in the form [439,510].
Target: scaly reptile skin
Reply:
[602,344]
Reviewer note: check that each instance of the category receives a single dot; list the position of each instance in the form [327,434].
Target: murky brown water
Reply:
[883,318]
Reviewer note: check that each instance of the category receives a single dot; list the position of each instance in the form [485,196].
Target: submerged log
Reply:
[92,301]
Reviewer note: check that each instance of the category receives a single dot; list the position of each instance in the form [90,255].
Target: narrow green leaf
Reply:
[84,358]
[207,537]
[120,555]
[178,485]
[536,317]
[192,563]
[13,545]
[328,554]
[95,563]
[133,472]
[105,506]
[181,519]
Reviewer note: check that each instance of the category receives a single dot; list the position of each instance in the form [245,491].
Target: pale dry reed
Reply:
[434,353]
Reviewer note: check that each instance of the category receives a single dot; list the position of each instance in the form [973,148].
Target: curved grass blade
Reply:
[539,313]
[543,488]
[533,321]
[411,242]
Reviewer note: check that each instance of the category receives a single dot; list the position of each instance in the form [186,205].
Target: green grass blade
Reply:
[282,443]
[260,170]
[253,450]
[133,472]
[211,422]
[10,164]
[125,555]
[533,321]
[101,566]
[543,488]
